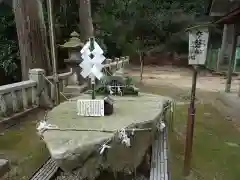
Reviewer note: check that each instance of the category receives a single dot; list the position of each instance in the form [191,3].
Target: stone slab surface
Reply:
[72,148]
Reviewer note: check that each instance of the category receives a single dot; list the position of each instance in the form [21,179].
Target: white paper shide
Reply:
[92,61]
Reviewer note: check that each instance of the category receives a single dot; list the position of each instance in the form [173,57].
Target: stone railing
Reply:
[109,65]
[63,82]
[112,65]
[19,98]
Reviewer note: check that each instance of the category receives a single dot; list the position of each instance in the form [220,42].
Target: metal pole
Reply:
[92,76]
[190,125]
[53,49]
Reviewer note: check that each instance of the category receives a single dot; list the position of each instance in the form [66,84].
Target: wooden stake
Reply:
[53,50]
[92,76]
[190,126]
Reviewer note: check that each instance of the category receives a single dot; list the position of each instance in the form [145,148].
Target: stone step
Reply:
[159,164]
[4,167]
[73,90]
[47,171]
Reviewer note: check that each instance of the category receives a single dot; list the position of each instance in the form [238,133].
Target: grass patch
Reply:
[23,148]
[216,141]
[216,145]
[174,92]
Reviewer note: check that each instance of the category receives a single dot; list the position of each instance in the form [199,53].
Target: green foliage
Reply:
[122,27]
[9,54]
[66,18]
[133,25]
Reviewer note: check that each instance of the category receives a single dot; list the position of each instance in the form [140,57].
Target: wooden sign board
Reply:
[198,41]
[90,107]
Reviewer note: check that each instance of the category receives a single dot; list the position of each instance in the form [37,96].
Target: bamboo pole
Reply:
[53,49]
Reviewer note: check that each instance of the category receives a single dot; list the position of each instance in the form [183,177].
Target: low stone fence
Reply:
[63,82]
[22,97]
[19,98]
[116,63]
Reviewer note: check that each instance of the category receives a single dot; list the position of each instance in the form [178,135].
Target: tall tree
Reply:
[86,24]
[32,37]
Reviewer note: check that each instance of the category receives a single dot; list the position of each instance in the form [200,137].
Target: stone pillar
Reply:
[41,89]
[223,47]
[38,76]
[109,69]
[76,78]
[231,50]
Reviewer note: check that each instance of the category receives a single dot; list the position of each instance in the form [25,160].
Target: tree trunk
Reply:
[141,63]
[86,25]
[32,37]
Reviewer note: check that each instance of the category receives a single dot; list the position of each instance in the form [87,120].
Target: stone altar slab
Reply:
[78,151]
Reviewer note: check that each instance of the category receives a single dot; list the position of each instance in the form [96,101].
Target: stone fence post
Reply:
[42,97]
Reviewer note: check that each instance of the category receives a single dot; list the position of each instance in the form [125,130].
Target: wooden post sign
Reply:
[198,40]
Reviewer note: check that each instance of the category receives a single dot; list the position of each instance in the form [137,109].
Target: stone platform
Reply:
[78,151]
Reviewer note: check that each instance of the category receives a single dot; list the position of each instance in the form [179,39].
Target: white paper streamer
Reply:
[162,126]
[110,90]
[103,148]
[43,126]
[124,138]
[119,90]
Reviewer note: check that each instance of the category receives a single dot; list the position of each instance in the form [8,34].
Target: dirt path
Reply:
[216,141]
[182,78]
[176,82]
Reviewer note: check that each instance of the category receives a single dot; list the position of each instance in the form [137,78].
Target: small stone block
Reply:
[4,167]
[108,107]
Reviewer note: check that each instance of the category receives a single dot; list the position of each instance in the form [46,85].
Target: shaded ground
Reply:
[22,146]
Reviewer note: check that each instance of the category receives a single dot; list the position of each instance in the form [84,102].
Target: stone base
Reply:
[79,151]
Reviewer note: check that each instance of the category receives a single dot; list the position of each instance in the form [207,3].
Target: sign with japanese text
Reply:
[198,41]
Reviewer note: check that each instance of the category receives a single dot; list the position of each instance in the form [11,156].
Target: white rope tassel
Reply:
[162,126]
[110,90]
[133,132]
[171,106]
[119,90]
[103,148]
[43,126]
[124,138]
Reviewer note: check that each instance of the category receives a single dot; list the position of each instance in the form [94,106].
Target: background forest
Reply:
[122,27]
